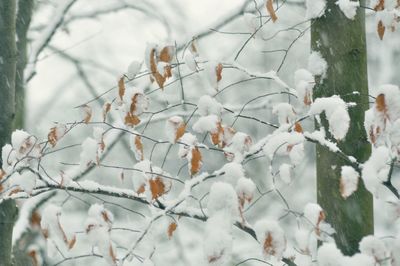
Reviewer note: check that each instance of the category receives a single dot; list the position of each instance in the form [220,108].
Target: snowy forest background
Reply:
[86,57]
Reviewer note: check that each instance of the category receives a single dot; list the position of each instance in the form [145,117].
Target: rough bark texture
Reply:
[8,209]
[341,42]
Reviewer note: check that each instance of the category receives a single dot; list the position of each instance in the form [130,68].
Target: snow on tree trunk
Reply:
[341,42]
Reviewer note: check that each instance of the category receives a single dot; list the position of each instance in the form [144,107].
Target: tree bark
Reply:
[8,54]
[342,44]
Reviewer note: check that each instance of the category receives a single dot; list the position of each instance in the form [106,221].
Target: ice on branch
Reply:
[376,169]
[209,106]
[174,128]
[348,181]
[317,64]
[348,7]
[304,83]
[285,113]
[336,113]
[239,145]
[315,8]
[272,238]
[97,227]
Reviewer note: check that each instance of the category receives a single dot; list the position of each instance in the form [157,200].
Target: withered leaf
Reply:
[381,29]
[195,161]
[139,147]
[131,120]
[271,10]
[218,71]
[106,109]
[167,54]
[171,229]
[298,128]
[121,88]
[157,187]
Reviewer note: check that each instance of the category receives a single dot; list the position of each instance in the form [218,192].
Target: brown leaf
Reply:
[14,191]
[106,109]
[71,243]
[157,187]
[171,229]
[35,219]
[195,161]
[271,10]
[193,47]
[217,137]
[154,71]
[141,189]
[112,254]
[34,256]
[218,71]
[131,120]
[87,111]
[307,99]
[180,131]
[381,29]
[167,71]
[139,147]
[167,54]
[214,258]
[380,5]
[269,245]
[121,88]
[298,128]
[380,103]
[45,233]
[52,136]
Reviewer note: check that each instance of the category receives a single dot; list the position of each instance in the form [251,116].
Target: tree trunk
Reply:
[8,54]
[341,42]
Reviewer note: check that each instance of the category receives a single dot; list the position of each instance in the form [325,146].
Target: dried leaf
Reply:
[218,71]
[380,5]
[141,189]
[307,99]
[35,219]
[167,71]
[195,161]
[171,229]
[217,137]
[193,47]
[381,29]
[87,111]
[157,187]
[214,258]
[180,131]
[72,242]
[298,128]
[34,256]
[380,103]
[131,120]
[121,88]
[106,109]
[269,246]
[139,147]
[45,233]
[112,254]
[154,71]
[167,54]
[271,10]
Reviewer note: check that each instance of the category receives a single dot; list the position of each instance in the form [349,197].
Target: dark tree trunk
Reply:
[341,42]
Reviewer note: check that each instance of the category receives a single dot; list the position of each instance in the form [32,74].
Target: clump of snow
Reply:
[190,62]
[374,247]
[315,8]
[245,188]
[233,172]
[133,69]
[172,125]
[25,181]
[348,181]
[206,124]
[286,143]
[317,64]
[222,198]
[336,113]
[348,7]
[88,154]
[187,142]
[313,213]
[304,83]
[285,113]
[240,143]
[376,169]
[209,106]
[329,255]
[285,172]
[272,238]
